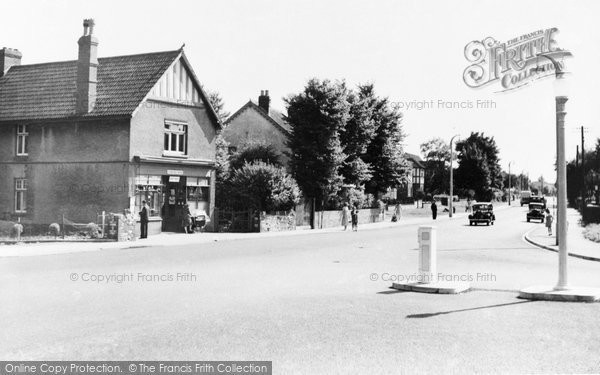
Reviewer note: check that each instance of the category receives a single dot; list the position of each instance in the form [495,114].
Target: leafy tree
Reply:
[358,134]
[478,166]
[255,152]
[216,101]
[575,176]
[385,154]
[317,116]
[437,166]
[222,171]
[263,187]
[514,180]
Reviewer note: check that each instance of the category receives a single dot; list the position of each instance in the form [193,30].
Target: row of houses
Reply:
[103,134]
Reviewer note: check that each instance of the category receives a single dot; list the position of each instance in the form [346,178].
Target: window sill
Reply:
[174,155]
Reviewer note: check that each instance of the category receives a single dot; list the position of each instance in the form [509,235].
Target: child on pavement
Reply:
[549,220]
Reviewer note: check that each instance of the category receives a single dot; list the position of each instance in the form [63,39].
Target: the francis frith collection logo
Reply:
[514,63]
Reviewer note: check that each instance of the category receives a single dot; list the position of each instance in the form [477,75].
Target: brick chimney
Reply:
[9,57]
[264,100]
[87,69]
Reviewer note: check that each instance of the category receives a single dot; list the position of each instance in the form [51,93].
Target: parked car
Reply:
[483,212]
[536,211]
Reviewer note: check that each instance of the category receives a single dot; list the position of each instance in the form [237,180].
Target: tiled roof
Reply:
[416,159]
[275,117]
[47,91]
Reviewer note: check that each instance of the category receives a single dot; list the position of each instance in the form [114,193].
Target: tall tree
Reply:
[478,166]
[436,153]
[317,116]
[358,134]
[385,153]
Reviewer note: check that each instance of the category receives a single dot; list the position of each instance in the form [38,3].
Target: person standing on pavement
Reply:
[187,219]
[381,206]
[354,215]
[144,220]
[433,210]
[345,216]
[549,221]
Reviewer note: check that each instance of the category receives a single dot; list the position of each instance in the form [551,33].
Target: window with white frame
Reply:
[22,135]
[21,195]
[175,139]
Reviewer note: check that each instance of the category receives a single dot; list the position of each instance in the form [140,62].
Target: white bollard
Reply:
[427,254]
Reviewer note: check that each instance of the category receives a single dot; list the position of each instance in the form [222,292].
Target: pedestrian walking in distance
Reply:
[354,215]
[345,216]
[144,220]
[433,210]
[549,221]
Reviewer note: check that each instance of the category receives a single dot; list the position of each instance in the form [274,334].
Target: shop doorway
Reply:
[174,202]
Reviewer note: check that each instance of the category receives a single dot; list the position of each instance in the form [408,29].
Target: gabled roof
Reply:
[416,159]
[275,117]
[47,91]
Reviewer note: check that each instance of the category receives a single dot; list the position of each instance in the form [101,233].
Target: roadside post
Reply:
[428,278]
[427,237]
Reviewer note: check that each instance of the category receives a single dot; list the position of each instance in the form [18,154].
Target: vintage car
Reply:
[525,197]
[536,211]
[483,212]
[538,199]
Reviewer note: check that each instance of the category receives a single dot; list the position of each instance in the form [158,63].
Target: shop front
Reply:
[169,191]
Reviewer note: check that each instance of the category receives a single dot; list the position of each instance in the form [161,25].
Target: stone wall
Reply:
[277,223]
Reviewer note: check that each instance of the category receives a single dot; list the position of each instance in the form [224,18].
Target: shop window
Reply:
[149,189]
[198,190]
[175,139]
[22,135]
[21,195]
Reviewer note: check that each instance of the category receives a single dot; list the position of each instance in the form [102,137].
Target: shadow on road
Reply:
[394,291]
[488,248]
[429,315]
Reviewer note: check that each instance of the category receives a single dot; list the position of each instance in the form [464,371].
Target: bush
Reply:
[592,232]
[254,153]
[263,187]
[17,229]
[93,230]
[54,229]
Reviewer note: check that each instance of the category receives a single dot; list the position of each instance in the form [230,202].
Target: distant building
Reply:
[258,123]
[416,177]
[102,134]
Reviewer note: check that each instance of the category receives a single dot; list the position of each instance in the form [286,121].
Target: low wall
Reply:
[330,219]
[277,223]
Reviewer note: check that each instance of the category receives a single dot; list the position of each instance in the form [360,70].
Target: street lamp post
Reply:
[560,100]
[451,199]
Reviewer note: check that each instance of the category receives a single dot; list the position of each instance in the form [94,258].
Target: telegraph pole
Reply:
[583,191]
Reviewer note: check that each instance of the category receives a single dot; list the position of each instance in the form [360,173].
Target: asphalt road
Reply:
[308,303]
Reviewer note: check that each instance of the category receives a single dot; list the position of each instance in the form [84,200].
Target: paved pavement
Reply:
[318,304]
[180,239]
[577,245]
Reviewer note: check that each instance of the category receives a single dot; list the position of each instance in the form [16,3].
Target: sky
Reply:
[413,51]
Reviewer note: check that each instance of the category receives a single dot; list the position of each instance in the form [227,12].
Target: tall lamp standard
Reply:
[561,97]
[451,200]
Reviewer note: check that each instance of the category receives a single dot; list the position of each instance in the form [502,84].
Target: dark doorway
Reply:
[175,199]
